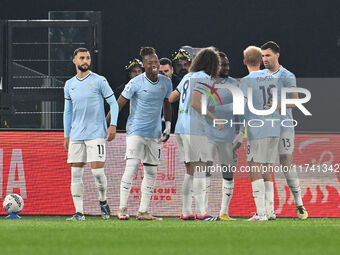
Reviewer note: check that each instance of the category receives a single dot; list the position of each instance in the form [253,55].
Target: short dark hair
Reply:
[165,61]
[223,55]
[79,50]
[271,45]
[144,51]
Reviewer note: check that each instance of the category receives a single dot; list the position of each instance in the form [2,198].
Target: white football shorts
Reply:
[263,150]
[226,155]
[192,148]
[286,144]
[148,150]
[87,151]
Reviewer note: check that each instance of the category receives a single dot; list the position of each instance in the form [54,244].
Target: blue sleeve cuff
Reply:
[67,117]
[113,109]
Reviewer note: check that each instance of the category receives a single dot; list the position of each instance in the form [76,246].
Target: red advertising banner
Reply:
[33,164]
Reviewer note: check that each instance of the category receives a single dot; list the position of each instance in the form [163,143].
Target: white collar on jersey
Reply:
[84,77]
[154,83]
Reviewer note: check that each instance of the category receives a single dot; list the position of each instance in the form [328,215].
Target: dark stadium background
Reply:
[307,31]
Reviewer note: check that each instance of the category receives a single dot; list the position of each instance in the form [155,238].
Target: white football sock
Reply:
[199,191]
[101,182]
[269,196]
[259,196]
[126,183]
[77,188]
[207,190]
[294,185]
[227,193]
[187,195]
[148,185]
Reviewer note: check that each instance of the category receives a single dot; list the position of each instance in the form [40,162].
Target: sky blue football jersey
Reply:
[146,102]
[261,83]
[88,113]
[286,79]
[227,134]
[189,120]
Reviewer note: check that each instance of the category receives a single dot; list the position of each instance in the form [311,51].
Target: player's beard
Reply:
[182,72]
[83,69]
[224,75]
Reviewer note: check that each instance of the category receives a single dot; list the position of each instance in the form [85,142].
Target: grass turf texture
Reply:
[53,235]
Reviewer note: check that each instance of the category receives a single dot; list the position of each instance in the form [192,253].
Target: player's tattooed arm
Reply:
[167,112]
[121,102]
[174,96]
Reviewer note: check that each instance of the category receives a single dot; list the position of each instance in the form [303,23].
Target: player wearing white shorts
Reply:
[147,93]
[220,142]
[270,56]
[263,135]
[85,129]
[190,133]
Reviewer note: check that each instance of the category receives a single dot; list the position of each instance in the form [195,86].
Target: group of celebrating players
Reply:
[198,136]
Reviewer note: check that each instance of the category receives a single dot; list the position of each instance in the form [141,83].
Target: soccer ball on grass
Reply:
[13,203]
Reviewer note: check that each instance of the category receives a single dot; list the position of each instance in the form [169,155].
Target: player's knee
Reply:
[97,165]
[77,174]
[228,176]
[77,164]
[100,176]
[131,168]
[150,171]
[284,159]
[227,173]
[208,172]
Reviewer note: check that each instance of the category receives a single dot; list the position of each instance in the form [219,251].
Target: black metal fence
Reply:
[38,61]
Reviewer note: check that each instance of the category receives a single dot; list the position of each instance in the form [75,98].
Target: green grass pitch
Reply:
[53,235]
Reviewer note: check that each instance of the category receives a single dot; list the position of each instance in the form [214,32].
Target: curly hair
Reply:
[207,60]
[144,51]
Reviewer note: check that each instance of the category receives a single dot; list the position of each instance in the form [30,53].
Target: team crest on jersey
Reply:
[90,85]
[162,89]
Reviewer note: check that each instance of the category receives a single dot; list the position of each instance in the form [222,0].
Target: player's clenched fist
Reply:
[111,133]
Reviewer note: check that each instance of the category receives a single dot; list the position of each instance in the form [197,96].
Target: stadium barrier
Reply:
[33,164]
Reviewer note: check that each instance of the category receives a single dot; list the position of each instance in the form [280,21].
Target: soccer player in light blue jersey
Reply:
[148,93]
[270,57]
[221,141]
[263,135]
[85,129]
[190,131]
